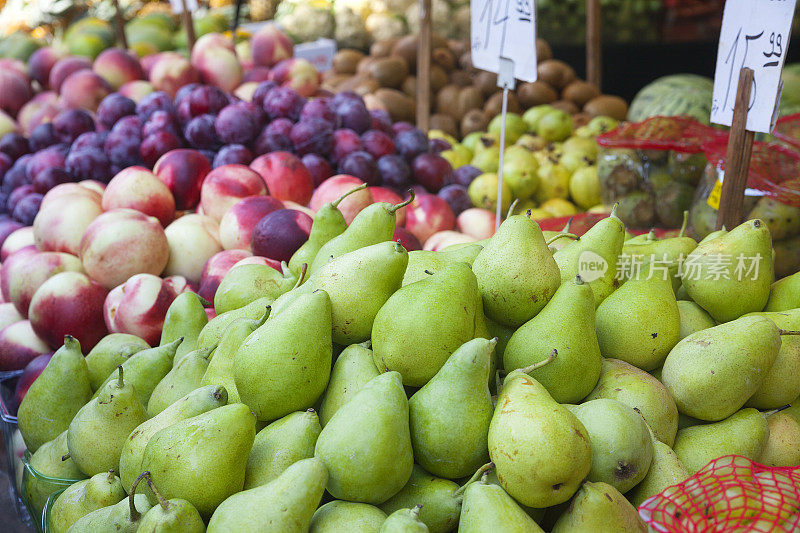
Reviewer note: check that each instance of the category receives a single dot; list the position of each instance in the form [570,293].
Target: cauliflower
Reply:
[441,18]
[350,30]
[385,26]
[361,7]
[392,6]
[304,22]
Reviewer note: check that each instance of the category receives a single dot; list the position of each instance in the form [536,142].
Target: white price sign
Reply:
[504,28]
[319,52]
[755,34]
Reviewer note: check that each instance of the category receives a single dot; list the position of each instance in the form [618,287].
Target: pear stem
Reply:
[767,414]
[65,457]
[651,236]
[398,247]
[164,503]
[111,475]
[512,207]
[336,202]
[120,383]
[788,332]
[528,213]
[540,364]
[567,225]
[394,208]
[614,211]
[557,236]
[415,511]
[685,224]
[205,353]
[264,317]
[134,512]
[478,473]
[203,301]
[302,276]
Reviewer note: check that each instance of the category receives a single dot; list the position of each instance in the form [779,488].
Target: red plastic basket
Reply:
[730,494]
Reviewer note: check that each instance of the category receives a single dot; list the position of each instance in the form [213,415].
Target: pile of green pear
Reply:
[484,387]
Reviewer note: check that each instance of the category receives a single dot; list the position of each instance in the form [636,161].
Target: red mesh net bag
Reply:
[730,494]
[787,129]
[680,134]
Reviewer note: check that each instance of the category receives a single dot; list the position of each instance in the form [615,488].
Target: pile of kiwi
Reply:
[463,98]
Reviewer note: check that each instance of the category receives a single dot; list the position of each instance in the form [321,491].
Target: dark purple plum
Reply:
[27,208]
[438,145]
[72,122]
[464,175]
[400,127]
[42,136]
[5,164]
[49,178]
[411,143]
[344,142]
[268,142]
[319,168]
[183,92]
[160,121]
[319,108]
[236,124]
[7,226]
[51,157]
[209,154]
[431,171]
[89,164]
[14,145]
[155,101]
[381,121]
[345,97]
[122,149]
[354,116]
[377,143]
[312,136]
[157,144]
[184,112]
[90,138]
[113,107]
[200,133]
[279,234]
[281,126]
[456,196]
[261,92]
[394,172]
[361,165]
[283,102]
[206,99]
[18,194]
[233,154]
[131,126]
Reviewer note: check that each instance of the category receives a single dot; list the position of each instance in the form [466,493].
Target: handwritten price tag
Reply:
[755,34]
[504,28]
[320,53]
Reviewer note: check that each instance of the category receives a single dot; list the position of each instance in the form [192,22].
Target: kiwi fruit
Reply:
[446,123]
[335,80]
[438,78]
[406,48]
[469,98]
[579,92]
[555,73]
[535,93]
[580,119]
[458,46]
[460,78]
[494,105]
[444,58]
[475,120]
[605,105]
[364,65]
[447,101]
[382,48]
[345,61]
[359,84]
[389,71]
[487,82]
[409,86]
[566,106]
[399,105]
[543,50]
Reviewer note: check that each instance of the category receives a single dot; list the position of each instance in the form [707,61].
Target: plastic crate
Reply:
[47,509]
[13,442]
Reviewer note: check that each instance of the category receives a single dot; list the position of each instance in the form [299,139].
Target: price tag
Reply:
[507,29]
[755,34]
[715,195]
[320,53]
[177,6]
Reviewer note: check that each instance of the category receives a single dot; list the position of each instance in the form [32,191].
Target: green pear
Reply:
[531,432]
[730,276]
[122,517]
[781,385]
[422,324]
[423,263]
[783,295]
[202,459]
[55,396]
[112,350]
[352,370]
[404,521]
[516,272]
[643,393]
[220,368]
[783,444]
[170,516]
[143,370]
[597,251]
[195,403]
[743,433]
[213,331]
[246,283]
[186,318]
[284,365]
[537,514]
[98,432]
[51,460]
[487,507]
[440,500]
[693,318]
[576,368]
[328,223]
[373,224]
[622,448]
[449,417]
[600,507]
[639,323]
[339,516]
[284,505]
[503,335]
[366,445]
[731,359]
[82,498]
[665,470]
[180,381]
[358,283]
[281,444]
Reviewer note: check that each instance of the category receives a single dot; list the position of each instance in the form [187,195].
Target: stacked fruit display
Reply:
[356,389]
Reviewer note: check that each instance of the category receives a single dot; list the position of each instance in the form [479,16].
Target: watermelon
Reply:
[678,94]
